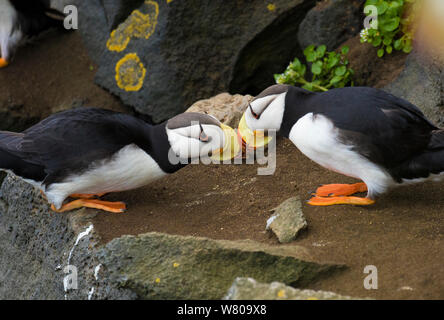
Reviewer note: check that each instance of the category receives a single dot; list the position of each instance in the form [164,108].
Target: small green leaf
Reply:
[308,86]
[381,53]
[296,65]
[407,49]
[390,25]
[303,70]
[377,42]
[340,71]
[309,49]
[332,62]
[387,41]
[316,68]
[382,7]
[320,51]
[335,80]
[311,56]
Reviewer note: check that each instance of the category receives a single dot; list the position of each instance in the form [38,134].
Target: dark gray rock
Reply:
[422,83]
[250,289]
[331,23]
[36,245]
[184,51]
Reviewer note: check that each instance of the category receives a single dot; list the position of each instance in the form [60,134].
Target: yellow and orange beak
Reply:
[255,139]
[231,147]
[3,63]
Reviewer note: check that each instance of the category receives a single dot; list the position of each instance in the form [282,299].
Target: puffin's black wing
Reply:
[387,130]
[71,141]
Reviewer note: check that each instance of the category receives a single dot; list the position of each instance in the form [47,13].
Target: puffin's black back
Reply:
[69,142]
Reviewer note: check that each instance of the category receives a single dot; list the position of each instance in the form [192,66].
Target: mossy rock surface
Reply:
[160,266]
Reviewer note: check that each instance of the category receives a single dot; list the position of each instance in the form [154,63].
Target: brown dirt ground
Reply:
[402,234]
[51,74]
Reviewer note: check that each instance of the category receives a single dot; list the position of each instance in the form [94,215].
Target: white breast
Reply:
[130,168]
[317,138]
[9,38]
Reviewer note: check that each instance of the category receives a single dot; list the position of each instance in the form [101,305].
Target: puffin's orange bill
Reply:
[255,139]
[3,63]
[231,147]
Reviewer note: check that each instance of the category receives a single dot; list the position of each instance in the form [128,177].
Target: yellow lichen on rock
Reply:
[281,294]
[137,25]
[271,7]
[130,73]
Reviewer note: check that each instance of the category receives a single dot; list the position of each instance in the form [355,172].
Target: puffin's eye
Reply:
[255,115]
[203,136]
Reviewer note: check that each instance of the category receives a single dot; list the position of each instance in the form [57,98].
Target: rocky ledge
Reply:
[46,255]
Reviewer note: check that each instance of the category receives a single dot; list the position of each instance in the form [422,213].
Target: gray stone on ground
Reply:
[331,23]
[189,50]
[227,108]
[250,289]
[288,220]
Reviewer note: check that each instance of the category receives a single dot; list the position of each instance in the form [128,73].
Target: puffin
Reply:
[21,20]
[85,153]
[361,132]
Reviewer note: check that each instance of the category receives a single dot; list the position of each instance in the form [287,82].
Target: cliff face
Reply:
[37,245]
[159,57]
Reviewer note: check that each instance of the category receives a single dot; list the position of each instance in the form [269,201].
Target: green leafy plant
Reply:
[328,69]
[394,28]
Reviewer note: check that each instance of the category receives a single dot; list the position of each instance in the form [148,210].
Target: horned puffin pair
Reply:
[22,19]
[87,152]
[361,132]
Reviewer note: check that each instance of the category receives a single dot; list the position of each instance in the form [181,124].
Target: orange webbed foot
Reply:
[3,63]
[115,207]
[329,201]
[340,189]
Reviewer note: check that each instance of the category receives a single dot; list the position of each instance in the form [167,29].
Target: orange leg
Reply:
[328,201]
[3,63]
[86,195]
[116,207]
[328,190]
